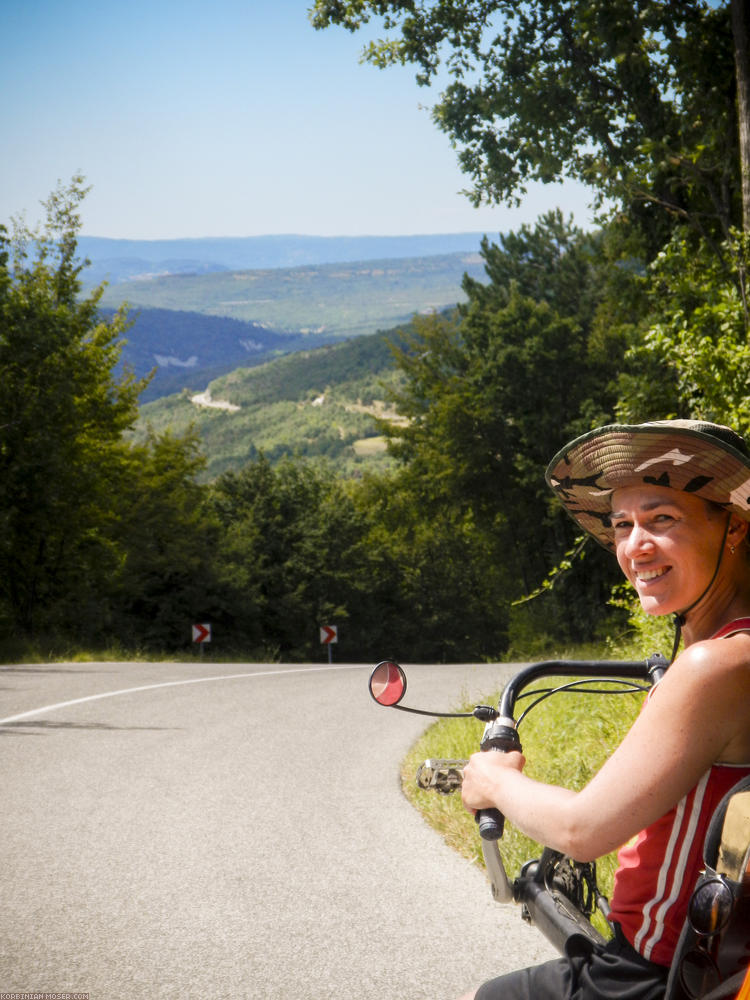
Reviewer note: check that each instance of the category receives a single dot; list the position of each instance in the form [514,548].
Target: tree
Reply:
[637,98]
[101,539]
[435,590]
[291,557]
[740,11]
[63,412]
[693,358]
[492,393]
[167,541]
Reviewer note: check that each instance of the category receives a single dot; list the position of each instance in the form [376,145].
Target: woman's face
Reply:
[667,545]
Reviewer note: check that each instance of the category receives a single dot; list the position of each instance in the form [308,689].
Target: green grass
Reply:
[566,739]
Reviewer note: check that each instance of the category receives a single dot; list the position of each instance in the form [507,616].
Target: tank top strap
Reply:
[738,625]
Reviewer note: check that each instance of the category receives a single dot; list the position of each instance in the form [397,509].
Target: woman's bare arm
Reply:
[696,714]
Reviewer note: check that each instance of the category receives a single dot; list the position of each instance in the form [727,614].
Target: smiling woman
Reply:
[666,462]
[652,525]
[672,500]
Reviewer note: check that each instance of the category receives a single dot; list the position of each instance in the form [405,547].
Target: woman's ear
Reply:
[737,530]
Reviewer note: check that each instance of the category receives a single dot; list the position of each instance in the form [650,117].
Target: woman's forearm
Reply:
[553,816]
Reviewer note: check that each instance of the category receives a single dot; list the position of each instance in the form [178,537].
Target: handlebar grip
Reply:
[491,823]
[502,737]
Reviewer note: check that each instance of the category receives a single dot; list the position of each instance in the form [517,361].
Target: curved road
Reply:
[209,830]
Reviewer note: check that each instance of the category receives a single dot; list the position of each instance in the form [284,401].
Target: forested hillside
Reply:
[185,350]
[310,404]
[196,338]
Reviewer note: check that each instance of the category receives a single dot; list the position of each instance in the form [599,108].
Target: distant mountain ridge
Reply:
[117,260]
[325,301]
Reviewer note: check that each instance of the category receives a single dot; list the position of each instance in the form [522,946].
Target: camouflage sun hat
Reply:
[693,456]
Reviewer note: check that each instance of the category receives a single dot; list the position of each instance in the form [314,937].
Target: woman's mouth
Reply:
[646,575]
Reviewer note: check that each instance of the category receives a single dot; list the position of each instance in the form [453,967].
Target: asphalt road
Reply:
[210,830]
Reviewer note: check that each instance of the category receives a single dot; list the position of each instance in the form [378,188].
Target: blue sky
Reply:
[225,118]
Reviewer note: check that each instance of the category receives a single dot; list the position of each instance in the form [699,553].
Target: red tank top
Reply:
[658,869]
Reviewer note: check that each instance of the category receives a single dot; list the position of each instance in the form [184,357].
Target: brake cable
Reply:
[577,687]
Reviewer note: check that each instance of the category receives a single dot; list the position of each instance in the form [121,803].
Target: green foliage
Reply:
[62,416]
[299,549]
[695,346]
[646,634]
[439,592]
[101,540]
[267,553]
[291,559]
[490,395]
[634,98]
[167,539]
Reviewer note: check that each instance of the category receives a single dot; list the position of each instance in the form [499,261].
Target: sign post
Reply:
[202,634]
[328,635]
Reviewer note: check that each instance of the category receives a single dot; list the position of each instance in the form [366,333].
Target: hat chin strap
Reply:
[680,617]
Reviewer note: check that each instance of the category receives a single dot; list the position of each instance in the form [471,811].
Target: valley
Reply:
[288,362]
[327,301]
[319,405]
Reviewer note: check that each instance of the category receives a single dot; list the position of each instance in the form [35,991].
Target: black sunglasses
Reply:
[709,912]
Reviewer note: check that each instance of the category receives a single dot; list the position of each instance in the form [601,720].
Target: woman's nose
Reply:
[638,540]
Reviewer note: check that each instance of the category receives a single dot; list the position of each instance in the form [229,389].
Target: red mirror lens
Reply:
[387,683]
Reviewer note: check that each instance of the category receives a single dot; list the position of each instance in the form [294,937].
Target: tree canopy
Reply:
[62,415]
[77,498]
[636,98]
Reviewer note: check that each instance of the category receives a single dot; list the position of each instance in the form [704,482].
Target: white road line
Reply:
[166,684]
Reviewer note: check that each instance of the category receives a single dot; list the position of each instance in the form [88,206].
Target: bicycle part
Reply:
[500,736]
[502,891]
[444,776]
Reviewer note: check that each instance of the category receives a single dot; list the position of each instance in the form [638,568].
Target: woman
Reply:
[672,500]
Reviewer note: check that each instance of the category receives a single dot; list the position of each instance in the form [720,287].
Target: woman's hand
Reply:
[484,775]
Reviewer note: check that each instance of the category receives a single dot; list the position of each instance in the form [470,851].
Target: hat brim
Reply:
[678,455]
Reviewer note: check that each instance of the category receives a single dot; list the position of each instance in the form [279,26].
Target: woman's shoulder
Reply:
[714,660]
[714,674]
[729,646]
[707,682]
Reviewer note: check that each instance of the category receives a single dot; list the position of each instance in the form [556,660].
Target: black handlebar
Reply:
[491,824]
[502,738]
[649,670]
[502,735]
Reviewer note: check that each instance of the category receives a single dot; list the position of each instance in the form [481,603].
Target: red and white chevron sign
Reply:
[202,633]
[328,634]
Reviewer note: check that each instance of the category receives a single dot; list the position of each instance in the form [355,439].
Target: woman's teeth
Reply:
[650,574]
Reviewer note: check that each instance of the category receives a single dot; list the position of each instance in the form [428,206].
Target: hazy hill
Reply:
[122,260]
[331,301]
[317,403]
[188,349]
